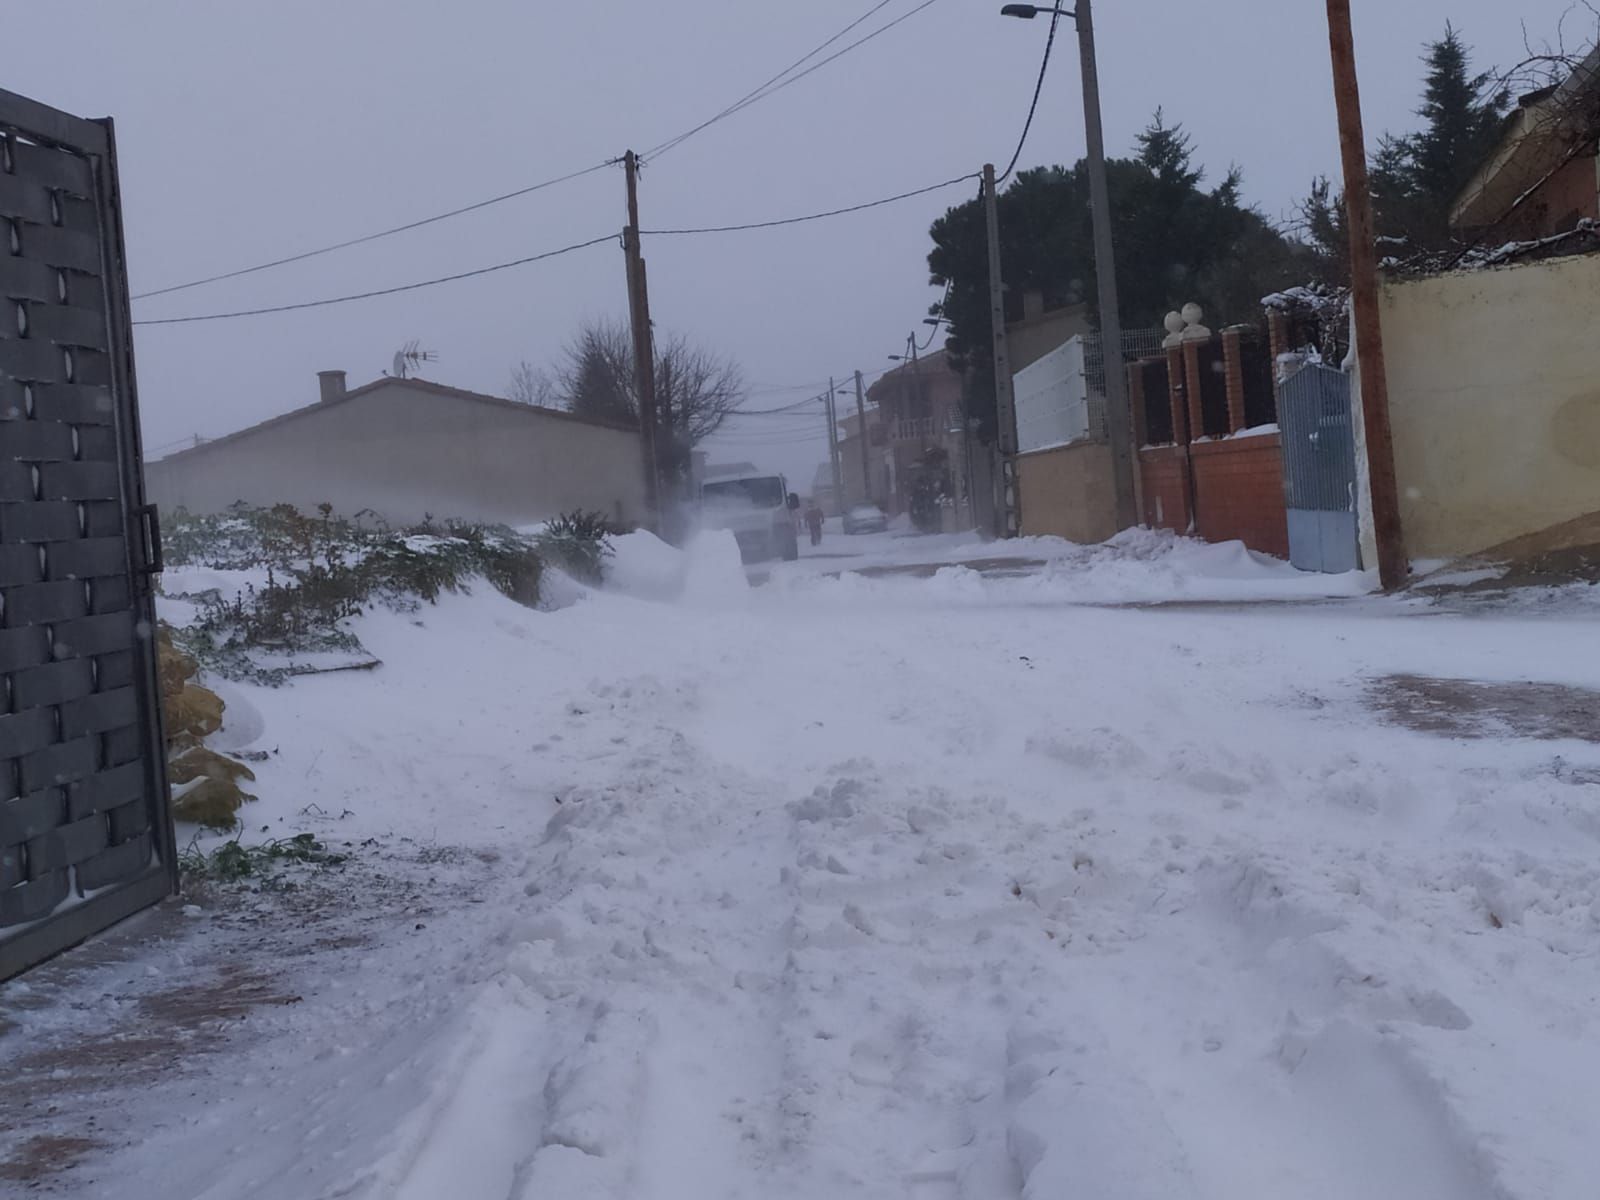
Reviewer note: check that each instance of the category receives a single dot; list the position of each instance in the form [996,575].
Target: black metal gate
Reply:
[85,829]
[1319,469]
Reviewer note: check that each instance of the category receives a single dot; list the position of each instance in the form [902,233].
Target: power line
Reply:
[772,412]
[1038,89]
[407,287]
[836,212]
[371,237]
[751,97]
[255,312]
[773,86]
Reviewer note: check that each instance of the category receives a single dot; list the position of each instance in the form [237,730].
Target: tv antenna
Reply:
[409,358]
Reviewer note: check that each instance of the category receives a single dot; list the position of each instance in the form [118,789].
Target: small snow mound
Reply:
[715,575]
[828,803]
[643,566]
[558,590]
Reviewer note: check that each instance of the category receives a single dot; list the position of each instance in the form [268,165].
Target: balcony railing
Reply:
[917,429]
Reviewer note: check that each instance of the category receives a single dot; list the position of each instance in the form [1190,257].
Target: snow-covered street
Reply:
[994,883]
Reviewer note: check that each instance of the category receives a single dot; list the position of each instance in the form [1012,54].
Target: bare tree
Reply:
[534,385]
[1560,117]
[696,388]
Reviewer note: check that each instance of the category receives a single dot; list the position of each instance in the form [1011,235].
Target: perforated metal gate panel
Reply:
[1319,469]
[85,833]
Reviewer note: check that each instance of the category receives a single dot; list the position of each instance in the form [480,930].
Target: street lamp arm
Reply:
[1029,11]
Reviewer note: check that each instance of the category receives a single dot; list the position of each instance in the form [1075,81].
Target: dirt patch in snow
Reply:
[983,566]
[1473,708]
[170,990]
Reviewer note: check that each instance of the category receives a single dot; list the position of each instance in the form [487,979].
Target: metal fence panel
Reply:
[1319,469]
[1052,399]
[85,826]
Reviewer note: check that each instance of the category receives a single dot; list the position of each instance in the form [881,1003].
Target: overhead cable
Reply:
[773,85]
[835,212]
[372,237]
[1038,89]
[406,287]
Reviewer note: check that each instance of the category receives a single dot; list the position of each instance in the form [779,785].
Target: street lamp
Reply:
[1119,419]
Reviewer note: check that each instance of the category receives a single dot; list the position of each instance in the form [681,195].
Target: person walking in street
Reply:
[814,523]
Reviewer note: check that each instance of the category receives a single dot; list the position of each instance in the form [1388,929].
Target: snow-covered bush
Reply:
[291,582]
[579,543]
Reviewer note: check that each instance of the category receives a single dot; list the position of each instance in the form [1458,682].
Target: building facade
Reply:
[407,450]
[925,449]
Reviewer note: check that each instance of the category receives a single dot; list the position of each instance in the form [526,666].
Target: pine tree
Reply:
[1416,178]
[1176,241]
[1464,114]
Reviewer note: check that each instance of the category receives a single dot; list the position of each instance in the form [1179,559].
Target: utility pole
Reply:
[644,376]
[1393,567]
[1009,508]
[866,451]
[1119,419]
[833,453]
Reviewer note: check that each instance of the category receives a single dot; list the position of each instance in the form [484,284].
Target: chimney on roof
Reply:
[332,384]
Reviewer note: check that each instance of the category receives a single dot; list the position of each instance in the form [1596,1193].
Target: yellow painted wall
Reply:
[1494,397]
[1067,492]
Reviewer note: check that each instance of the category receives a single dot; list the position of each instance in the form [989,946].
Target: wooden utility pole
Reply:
[1119,417]
[1393,567]
[834,461]
[644,375]
[1010,510]
[866,450]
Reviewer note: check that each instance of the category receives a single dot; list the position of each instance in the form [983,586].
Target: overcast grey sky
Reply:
[252,130]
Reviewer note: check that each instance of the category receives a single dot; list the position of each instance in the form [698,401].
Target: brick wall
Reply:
[1164,471]
[1238,487]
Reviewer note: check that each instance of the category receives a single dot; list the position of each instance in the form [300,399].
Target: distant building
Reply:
[925,445]
[1543,176]
[406,449]
[868,480]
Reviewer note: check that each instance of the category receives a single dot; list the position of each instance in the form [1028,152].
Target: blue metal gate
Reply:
[1319,469]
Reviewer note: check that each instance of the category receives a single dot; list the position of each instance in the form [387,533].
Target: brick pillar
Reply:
[1136,402]
[1191,383]
[1176,393]
[1277,336]
[1141,427]
[1233,372]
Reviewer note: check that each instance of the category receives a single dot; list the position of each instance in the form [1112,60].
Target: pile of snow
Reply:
[715,574]
[849,894]
[644,566]
[706,572]
[1138,566]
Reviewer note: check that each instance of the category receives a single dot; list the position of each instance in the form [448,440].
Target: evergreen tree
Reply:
[1417,176]
[1175,240]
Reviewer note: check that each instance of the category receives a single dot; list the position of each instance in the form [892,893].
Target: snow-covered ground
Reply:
[963,883]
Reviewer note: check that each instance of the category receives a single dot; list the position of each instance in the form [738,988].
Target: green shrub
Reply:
[579,543]
[234,862]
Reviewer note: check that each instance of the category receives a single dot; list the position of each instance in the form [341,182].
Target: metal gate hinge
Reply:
[150,556]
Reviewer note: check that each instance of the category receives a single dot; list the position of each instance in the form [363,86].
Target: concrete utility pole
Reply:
[1119,419]
[1009,507]
[1393,567]
[644,376]
[866,450]
[833,452]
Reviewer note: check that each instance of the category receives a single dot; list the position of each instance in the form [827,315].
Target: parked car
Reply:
[865,518]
